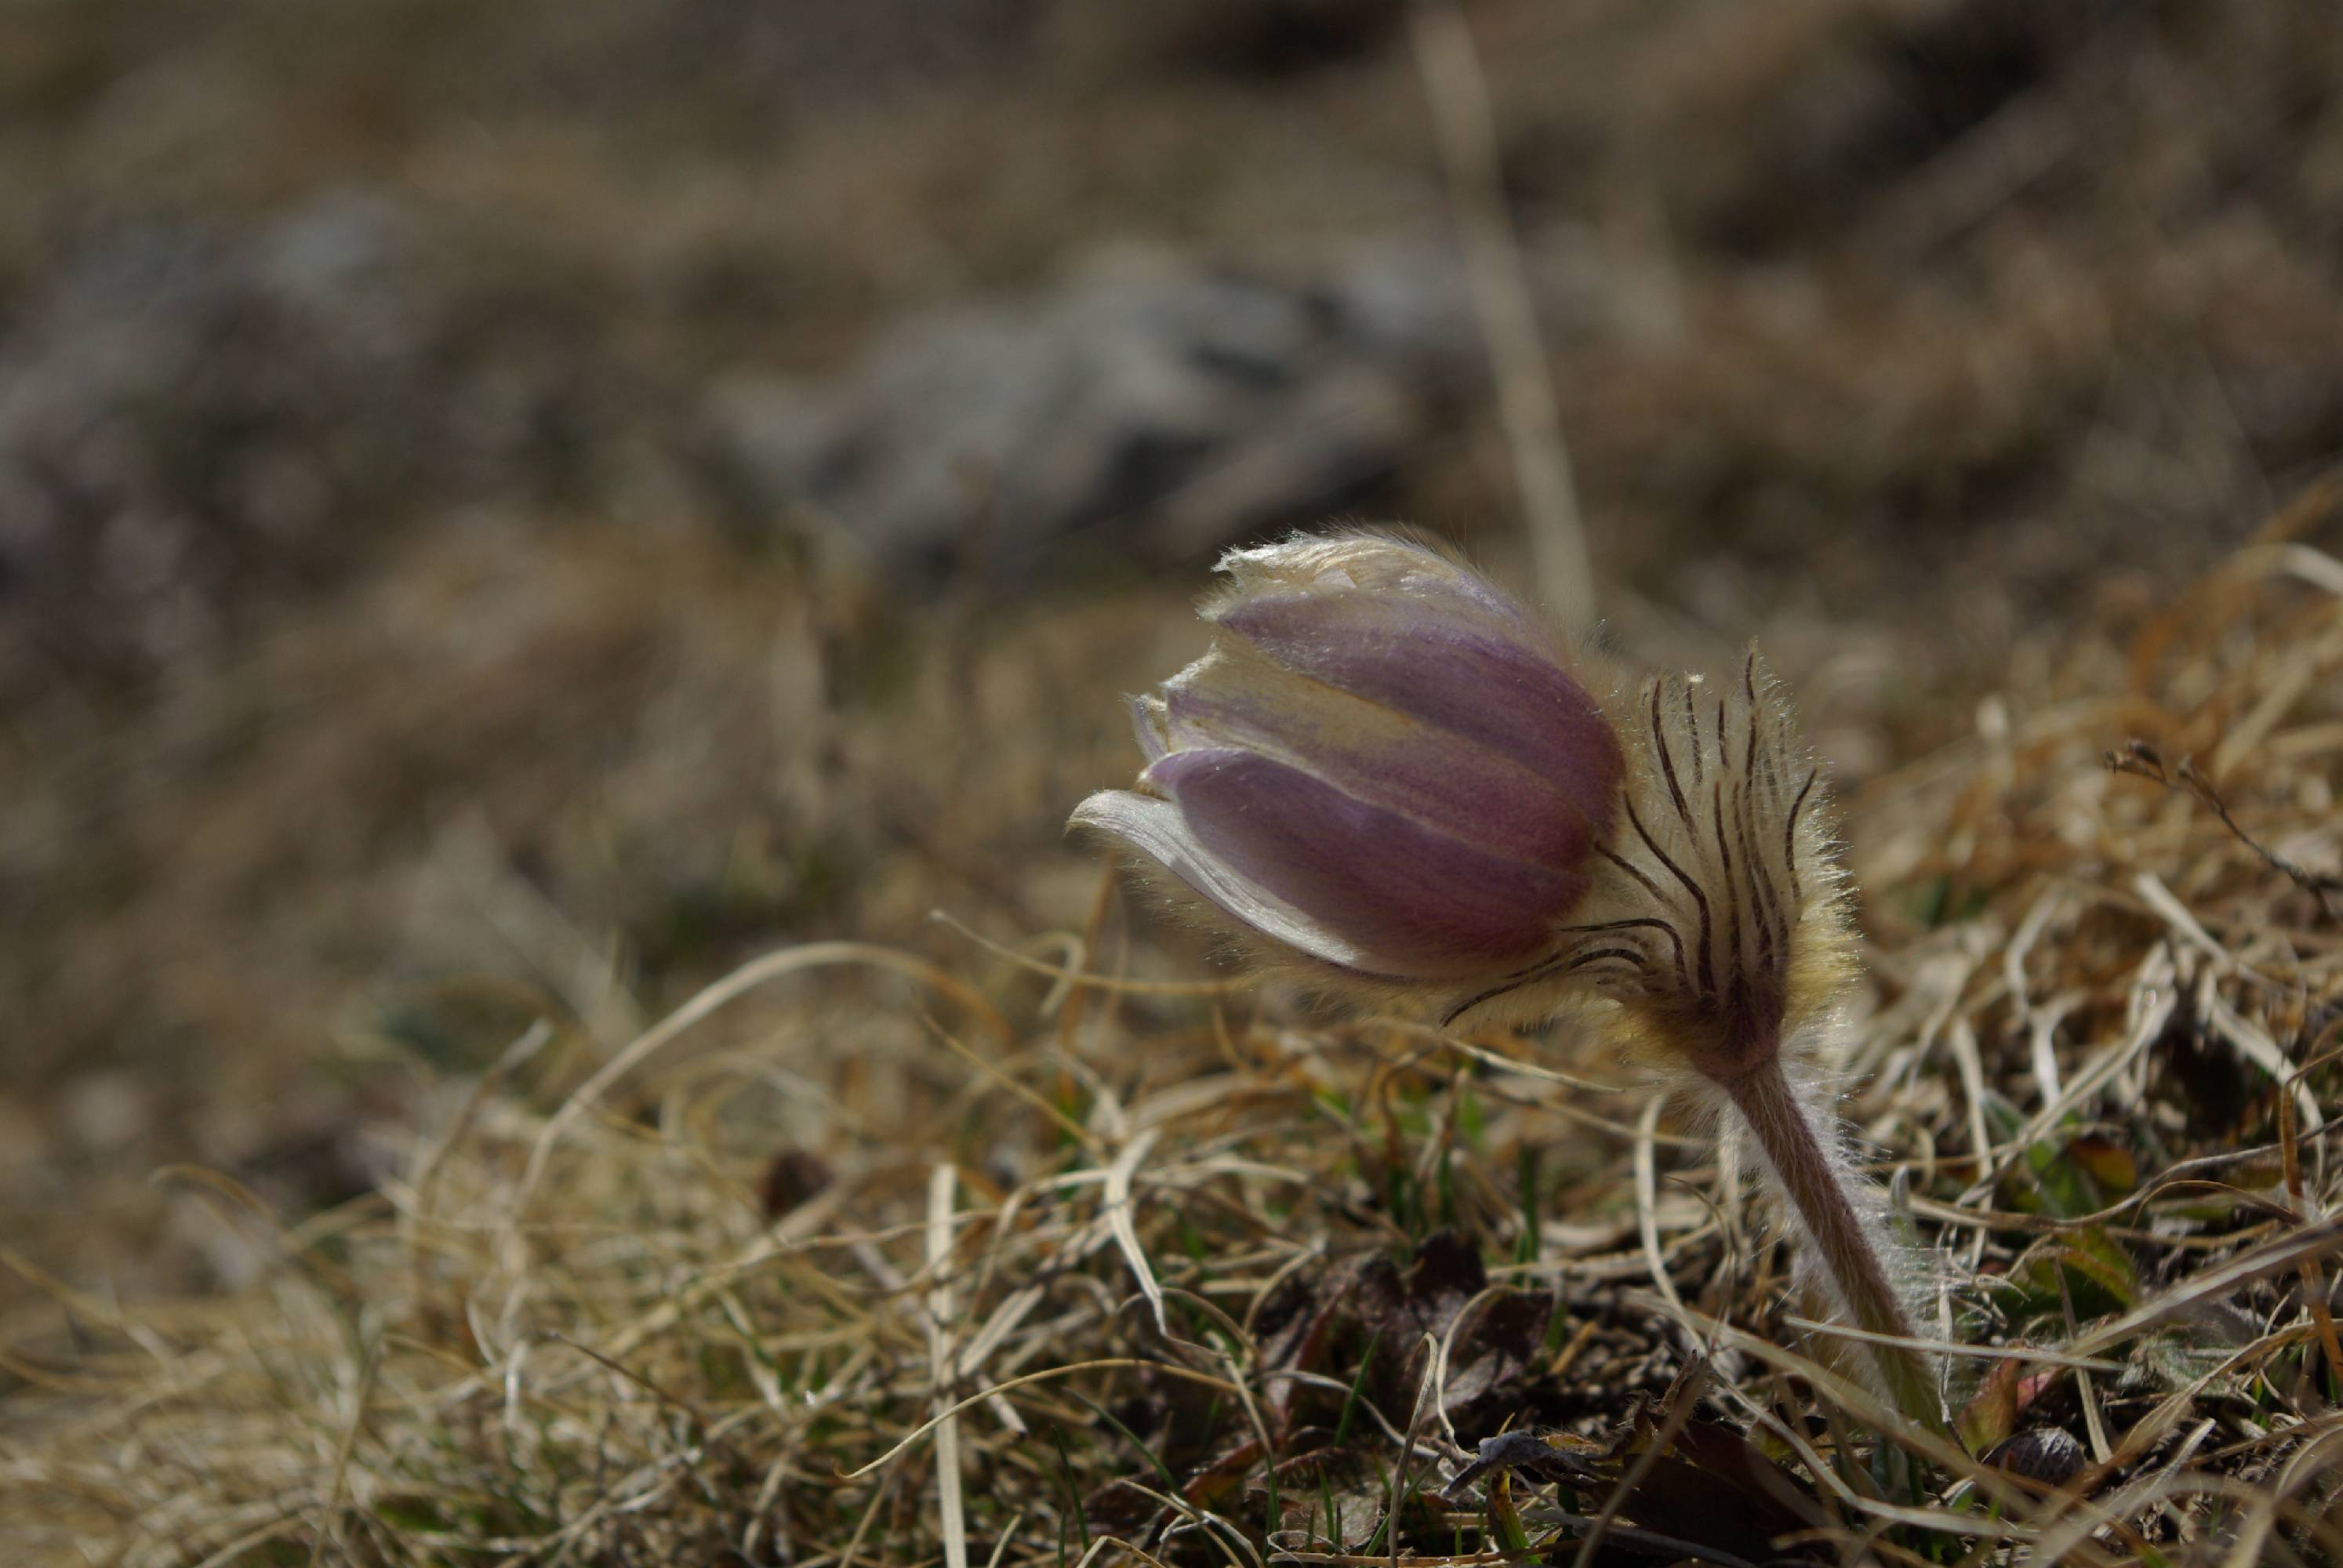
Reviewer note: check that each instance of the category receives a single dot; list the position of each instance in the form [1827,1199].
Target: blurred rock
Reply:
[169,405]
[1150,405]
[107,1110]
[200,419]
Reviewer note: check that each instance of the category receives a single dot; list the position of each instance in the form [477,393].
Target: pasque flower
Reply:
[1383,768]
[1720,928]
[1380,764]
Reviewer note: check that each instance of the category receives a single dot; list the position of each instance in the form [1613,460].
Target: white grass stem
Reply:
[943,1185]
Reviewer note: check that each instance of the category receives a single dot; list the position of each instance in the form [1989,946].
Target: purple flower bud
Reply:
[1379,762]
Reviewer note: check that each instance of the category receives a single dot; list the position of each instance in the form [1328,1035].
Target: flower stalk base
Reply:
[1850,1264]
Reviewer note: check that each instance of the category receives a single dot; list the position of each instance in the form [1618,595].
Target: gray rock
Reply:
[174,394]
[1148,405]
[196,416]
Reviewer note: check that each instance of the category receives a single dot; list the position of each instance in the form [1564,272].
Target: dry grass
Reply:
[1879,329]
[1068,1252]
[1894,327]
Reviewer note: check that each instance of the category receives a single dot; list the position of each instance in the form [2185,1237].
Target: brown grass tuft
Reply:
[858,1260]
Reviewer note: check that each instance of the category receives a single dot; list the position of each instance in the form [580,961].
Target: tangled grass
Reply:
[1045,1256]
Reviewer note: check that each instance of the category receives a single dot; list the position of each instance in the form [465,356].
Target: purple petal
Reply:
[1399,897]
[1155,829]
[1433,777]
[1447,670]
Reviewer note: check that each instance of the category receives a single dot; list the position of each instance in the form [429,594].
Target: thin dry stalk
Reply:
[1457,93]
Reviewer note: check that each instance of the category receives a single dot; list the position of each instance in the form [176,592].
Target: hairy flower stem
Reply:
[1802,1164]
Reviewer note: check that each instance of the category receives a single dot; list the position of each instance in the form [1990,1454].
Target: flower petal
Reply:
[1488,688]
[1235,696]
[1153,827]
[1398,897]
[1148,725]
[1379,564]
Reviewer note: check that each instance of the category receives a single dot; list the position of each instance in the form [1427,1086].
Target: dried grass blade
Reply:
[2031,1354]
[1126,1231]
[941,1183]
[2176,914]
[1105,1364]
[1962,1042]
[2146,1029]
[2312,1241]
[2255,1045]
[1647,1205]
[756,972]
[1464,121]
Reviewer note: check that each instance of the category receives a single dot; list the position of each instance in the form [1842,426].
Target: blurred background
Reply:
[506,510]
